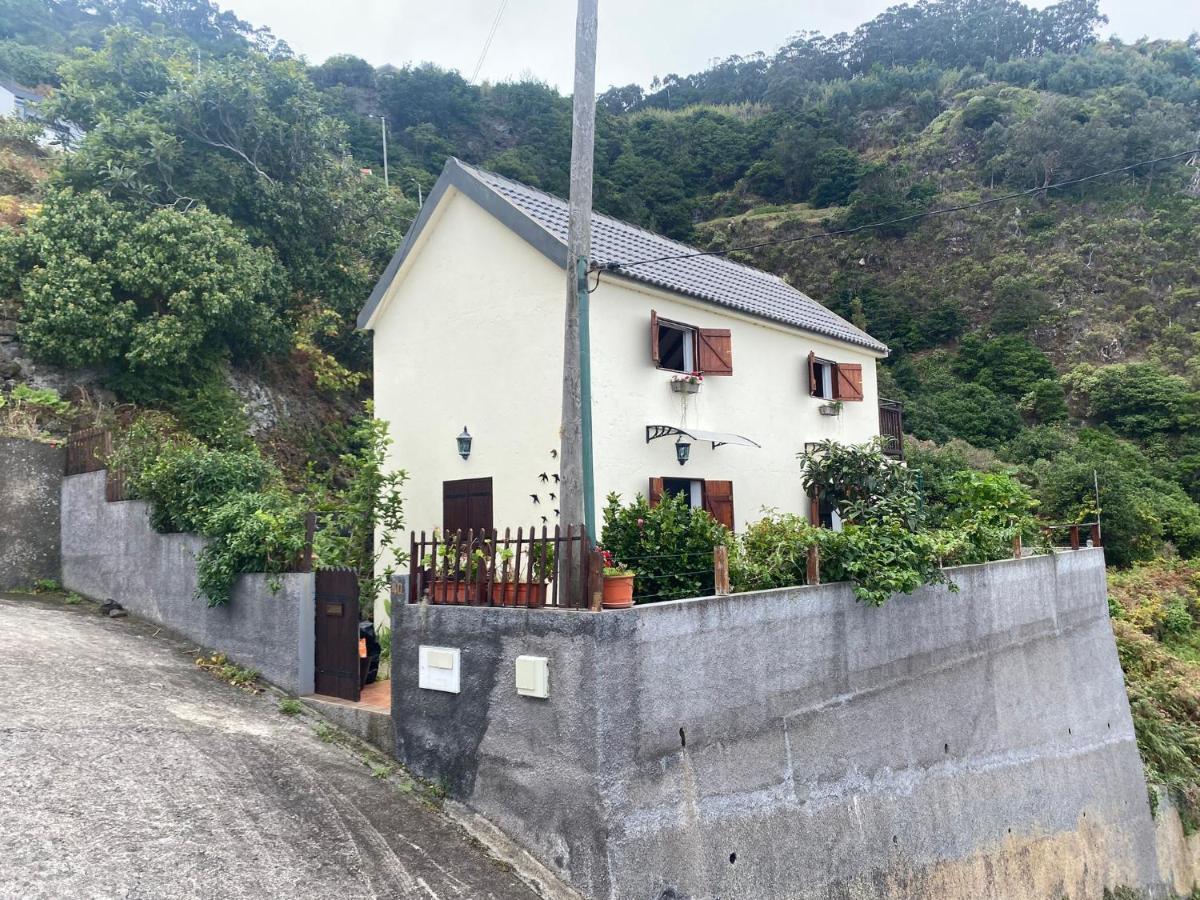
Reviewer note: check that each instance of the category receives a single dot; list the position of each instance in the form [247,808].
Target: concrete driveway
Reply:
[126,771]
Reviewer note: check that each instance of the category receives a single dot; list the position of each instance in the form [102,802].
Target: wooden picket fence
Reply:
[88,451]
[553,569]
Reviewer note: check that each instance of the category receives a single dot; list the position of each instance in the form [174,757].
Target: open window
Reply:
[716,497]
[828,380]
[678,347]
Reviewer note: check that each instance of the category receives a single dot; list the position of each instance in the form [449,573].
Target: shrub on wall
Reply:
[184,479]
[669,545]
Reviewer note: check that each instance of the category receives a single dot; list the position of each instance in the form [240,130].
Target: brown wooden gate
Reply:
[336,650]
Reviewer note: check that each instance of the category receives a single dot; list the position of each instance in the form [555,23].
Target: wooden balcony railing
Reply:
[891,427]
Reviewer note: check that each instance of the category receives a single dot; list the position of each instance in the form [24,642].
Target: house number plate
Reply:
[334,609]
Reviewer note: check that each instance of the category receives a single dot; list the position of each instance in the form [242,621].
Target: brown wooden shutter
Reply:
[814,389]
[718,500]
[656,491]
[467,505]
[654,337]
[847,381]
[716,351]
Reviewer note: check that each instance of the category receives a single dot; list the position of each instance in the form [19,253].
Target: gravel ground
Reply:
[126,771]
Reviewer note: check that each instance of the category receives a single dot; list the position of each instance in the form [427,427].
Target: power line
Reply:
[614,266]
[488,43]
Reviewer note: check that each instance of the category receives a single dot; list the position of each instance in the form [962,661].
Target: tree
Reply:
[160,293]
[1140,399]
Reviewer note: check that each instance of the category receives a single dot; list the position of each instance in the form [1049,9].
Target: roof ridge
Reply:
[696,251]
[543,219]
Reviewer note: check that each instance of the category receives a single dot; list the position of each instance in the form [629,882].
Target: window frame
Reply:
[689,344]
[828,369]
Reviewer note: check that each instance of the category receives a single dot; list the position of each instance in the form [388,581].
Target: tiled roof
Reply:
[713,278]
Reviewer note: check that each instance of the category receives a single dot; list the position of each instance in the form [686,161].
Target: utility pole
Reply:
[577,491]
[383,131]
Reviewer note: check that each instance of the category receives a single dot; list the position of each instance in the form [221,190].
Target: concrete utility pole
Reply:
[383,131]
[577,492]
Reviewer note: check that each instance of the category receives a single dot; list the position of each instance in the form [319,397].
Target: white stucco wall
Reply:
[766,399]
[470,333]
[8,102]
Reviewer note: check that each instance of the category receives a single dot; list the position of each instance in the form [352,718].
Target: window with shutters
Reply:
[829,380]
[685,348]
[714,496]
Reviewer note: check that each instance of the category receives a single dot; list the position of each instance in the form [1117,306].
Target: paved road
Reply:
[127,772]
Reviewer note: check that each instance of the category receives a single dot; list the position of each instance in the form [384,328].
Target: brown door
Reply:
[335,654]
[467,505]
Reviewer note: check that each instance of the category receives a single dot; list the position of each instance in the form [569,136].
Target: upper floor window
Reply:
[685,348]
[833,380]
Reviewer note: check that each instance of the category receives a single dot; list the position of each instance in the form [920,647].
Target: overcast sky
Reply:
[638,38]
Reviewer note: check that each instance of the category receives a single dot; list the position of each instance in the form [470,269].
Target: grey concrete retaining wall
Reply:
[109,550]
[798,744]
[30,481]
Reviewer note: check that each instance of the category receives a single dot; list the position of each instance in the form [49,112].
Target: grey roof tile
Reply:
[712,278]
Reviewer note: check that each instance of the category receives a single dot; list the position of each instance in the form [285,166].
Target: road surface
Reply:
[128,772]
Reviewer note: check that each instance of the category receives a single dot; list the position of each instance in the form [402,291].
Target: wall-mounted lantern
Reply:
[464,443]
[683,450]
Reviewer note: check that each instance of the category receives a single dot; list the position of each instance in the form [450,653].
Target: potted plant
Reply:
[511,590]
[618,584]
[687,383]
[454,572]
[831,409]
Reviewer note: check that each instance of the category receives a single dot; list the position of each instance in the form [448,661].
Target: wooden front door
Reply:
[335,654]
[467,505]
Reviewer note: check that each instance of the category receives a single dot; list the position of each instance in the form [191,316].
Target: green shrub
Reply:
[362,509]
[669,545]
[183,479]
[249,532]
[773,552]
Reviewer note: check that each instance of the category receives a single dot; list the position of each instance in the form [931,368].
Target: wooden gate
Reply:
[336,651]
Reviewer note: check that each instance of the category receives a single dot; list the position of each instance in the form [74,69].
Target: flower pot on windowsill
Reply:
[685,387]
[618,591]
[830,409]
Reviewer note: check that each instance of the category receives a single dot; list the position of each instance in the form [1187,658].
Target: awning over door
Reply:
[716,438]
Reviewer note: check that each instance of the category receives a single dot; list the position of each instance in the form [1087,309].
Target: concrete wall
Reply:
[109,550]
[31,475]
[798,744]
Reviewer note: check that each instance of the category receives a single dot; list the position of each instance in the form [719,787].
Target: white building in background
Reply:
[468,333]
[20,102]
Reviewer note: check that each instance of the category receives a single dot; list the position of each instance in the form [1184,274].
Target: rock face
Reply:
[18,367]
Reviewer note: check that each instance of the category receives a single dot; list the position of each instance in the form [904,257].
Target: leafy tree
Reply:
[1140,399]
[1139,510]
[163,292]
[1007,366]
[835,175]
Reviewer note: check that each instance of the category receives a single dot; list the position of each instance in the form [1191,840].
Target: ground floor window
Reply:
[714,496]
[692,488]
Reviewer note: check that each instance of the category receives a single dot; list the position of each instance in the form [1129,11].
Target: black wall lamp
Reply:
[683,449]
[464,443]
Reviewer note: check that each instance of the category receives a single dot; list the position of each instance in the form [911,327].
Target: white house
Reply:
[20,102]
[468,333]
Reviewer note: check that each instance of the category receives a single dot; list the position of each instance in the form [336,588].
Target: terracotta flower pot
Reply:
[448,592]
[618,591]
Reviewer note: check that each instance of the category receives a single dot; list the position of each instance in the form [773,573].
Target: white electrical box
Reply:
[533,676]
[438,669]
